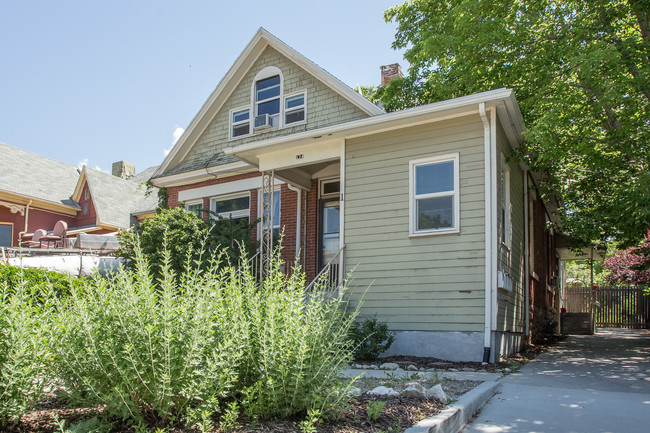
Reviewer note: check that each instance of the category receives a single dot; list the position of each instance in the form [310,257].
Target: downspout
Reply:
[20,234]
[487,135]
[495,236]
[342,211]
[298,191]
[526,259]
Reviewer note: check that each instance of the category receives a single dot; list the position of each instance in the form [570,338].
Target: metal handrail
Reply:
[333,279]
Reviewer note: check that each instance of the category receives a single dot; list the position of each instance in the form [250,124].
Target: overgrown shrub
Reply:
[186,236]
[371,338]
[38,283]
[21,355]
[183,348]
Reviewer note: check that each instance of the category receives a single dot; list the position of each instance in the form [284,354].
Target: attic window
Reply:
[294,108]
[267,100]
[240,121]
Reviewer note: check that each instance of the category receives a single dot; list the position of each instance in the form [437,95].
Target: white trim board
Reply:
[223,188]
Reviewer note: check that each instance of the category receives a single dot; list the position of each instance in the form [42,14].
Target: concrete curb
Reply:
[452,419]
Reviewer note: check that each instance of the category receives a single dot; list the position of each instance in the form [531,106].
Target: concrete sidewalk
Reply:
[586,384]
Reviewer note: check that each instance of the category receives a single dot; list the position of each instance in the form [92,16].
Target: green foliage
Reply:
[21,354]
[580,70]
[375,408]
[177,350]
[186,237]
[39,283]
[579,272]
[371,338]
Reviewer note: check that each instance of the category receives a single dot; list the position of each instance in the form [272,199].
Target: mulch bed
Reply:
[399,413]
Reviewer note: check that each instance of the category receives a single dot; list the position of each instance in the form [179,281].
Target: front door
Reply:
[329,231]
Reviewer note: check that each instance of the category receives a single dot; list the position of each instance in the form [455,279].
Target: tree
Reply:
[581,73]
[631,266]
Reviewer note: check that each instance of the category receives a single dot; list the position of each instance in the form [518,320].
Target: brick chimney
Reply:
[123,169]
[390,72]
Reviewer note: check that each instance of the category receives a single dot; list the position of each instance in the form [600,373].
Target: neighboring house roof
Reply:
[173,163]
[116,199]
[30,175]
[144,175]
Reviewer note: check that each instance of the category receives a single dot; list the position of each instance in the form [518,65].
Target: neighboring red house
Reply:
[36,192]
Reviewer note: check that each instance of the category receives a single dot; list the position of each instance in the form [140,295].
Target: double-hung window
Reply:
[240,121]
[434,196]
[294,108]
[267,98]
[196,208]
[235,206]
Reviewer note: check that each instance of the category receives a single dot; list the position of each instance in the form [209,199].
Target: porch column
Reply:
[266,238]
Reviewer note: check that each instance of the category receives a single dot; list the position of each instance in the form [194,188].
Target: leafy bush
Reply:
[39,283]
[184,348]
[185,236]
[371,338]
[21,355]
[182,232]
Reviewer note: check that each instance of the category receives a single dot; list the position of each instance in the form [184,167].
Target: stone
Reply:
[354,391]
[422,375]
[389,366]
[411,367]
[372,367]
[414,390]
[507,370]
[358,366]
[453,369]
[384,391]
[436,391]
[469,370]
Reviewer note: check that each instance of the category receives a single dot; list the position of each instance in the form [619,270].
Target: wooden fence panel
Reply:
[620,307]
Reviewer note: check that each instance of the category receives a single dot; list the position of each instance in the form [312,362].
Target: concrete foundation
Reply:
[507,343]
[453,346]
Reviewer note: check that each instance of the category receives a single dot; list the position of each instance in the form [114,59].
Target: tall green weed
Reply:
[173,350]
[22,355]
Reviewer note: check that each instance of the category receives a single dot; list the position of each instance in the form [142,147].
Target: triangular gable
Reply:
[220,96]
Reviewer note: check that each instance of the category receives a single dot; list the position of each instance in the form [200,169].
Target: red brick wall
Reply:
[545,267]
[288,215]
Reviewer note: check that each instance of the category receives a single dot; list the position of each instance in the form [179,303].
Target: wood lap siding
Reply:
[511,311]
[428,283]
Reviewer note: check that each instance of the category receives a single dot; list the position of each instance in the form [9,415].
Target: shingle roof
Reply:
[31,175]
[115,199]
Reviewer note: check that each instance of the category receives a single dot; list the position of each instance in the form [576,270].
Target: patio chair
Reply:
[57,238]
[35,241]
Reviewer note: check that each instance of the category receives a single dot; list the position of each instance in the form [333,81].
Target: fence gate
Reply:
[616,307]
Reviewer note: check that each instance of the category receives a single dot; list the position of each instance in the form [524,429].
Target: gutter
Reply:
[526,259]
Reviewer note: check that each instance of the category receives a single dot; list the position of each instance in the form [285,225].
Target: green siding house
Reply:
[424,206]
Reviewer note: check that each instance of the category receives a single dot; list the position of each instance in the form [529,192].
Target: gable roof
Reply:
[115,199]
[228,83]
[31,175]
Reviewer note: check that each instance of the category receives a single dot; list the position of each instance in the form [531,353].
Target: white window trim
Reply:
[412,196]
[187,205]
[268,72]
[232,124]
[244,213]
[304,107]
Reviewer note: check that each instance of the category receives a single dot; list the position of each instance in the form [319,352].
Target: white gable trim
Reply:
[229,82]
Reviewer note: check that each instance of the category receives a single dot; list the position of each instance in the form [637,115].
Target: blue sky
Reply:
[102,81]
